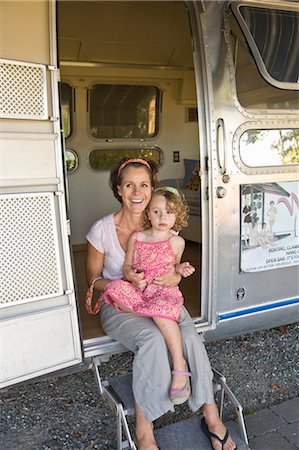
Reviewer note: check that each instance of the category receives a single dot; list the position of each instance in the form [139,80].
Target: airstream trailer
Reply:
[207,89]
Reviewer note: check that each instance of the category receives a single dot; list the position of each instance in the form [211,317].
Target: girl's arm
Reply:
[128,271]
[94,267]
[185,268]
[173,278]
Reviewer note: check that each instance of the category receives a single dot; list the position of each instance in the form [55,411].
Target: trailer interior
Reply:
[127,88]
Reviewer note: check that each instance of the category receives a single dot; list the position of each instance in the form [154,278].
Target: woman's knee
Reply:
[151,337]
[190,335]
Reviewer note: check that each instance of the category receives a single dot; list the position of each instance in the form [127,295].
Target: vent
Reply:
[23,90]
[30,267]
[191,114]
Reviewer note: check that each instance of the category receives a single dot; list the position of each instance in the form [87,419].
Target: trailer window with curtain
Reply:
[124,111]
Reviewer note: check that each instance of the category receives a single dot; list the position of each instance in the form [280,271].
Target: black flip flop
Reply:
[209,434]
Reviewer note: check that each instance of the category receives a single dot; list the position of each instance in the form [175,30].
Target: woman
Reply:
[132,181]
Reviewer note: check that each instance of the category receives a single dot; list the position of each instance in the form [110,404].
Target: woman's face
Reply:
[135,189]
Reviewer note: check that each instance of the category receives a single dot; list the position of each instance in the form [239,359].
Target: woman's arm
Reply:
[94,267]
[128,271]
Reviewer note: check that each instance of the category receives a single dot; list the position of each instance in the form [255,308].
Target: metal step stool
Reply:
[185,434]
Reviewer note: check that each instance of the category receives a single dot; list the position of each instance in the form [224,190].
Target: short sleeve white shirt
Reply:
[103,237]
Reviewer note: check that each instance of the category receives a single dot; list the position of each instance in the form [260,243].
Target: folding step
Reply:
[121,389]
[187,435]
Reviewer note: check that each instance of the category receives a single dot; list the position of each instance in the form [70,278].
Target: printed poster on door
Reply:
[269,226]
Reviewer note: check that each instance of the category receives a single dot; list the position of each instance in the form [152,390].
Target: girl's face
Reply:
[135,189]
[160,215]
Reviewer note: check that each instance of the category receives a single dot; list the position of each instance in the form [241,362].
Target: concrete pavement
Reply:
[274,428]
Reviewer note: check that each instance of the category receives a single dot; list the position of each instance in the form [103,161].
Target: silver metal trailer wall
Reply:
[250,288]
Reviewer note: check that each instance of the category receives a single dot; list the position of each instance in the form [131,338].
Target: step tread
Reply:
[187,435]
[123,388]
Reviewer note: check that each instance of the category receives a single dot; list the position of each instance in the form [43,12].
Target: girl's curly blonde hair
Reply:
[177,204]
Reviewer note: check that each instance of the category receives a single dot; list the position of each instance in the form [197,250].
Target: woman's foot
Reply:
[216,426]
[220,440]
[144,444]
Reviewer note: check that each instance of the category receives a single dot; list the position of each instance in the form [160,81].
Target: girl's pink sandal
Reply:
[180,395]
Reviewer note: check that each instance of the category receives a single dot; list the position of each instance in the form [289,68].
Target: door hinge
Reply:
[56,69]
[207,192]
[68,291]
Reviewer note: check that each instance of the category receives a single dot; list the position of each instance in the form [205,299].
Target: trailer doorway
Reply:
[109,52]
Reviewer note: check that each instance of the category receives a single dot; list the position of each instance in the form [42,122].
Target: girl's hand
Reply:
[185,269]
[171,278]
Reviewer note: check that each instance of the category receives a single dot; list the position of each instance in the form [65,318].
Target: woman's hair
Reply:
[120,168]
[177,204]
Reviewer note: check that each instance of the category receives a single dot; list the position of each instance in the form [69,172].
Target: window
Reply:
[71,160]
[105,159]
[124,111]
[253,90]
[270,147]
[66,108]
[272,35]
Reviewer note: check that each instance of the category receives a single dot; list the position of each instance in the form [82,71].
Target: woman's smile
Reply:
[135,189]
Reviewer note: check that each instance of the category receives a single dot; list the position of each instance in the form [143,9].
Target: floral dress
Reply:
[153,259]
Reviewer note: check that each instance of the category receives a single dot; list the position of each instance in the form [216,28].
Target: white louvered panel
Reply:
[30,264]
[23,92]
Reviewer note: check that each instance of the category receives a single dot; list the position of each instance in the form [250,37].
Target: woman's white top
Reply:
[103,237]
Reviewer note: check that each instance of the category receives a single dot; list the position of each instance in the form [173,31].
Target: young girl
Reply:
[150,254]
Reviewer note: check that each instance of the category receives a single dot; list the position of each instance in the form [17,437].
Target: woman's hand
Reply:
[171,278]
[136,278]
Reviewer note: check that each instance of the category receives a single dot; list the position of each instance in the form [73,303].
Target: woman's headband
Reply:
[133,160]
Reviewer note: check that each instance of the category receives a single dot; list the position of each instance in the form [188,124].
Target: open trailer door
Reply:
[254,163]
[38,314]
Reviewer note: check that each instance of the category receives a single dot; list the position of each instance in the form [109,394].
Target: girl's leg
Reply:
[216,426]
[122,295]
[120,306]
[172,335]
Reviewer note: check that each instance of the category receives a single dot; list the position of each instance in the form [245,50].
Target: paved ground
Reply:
[274,428]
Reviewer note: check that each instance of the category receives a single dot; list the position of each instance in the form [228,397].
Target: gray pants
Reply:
[151,366]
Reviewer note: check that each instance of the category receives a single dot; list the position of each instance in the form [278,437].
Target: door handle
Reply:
[221,149]
[220,192]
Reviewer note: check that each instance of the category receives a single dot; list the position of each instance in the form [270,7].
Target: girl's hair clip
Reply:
[171,189]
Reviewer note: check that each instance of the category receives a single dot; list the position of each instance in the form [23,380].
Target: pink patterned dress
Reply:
[151,258]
